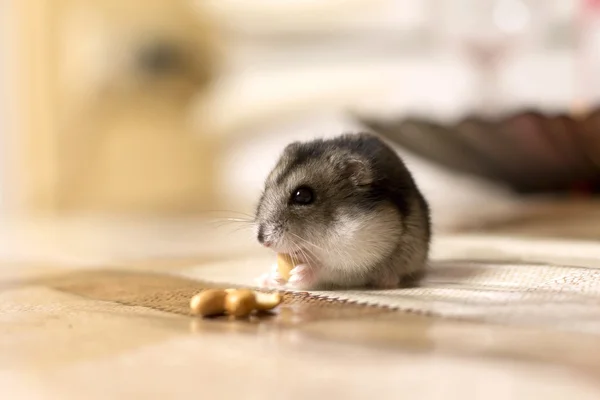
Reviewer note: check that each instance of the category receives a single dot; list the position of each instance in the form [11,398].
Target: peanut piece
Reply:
[267,301]
[240,303]
[285,264]
[208,303]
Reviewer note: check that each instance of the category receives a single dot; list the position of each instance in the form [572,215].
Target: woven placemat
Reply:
[490,279]
[499,280]
[172,294]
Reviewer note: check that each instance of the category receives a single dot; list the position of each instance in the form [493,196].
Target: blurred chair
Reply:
[108,87]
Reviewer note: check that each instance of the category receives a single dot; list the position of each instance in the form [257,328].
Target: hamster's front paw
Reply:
[302,277]
[271,279]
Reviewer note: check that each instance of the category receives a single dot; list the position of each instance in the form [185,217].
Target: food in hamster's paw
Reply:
[271,279]
[285,264]
[208,303]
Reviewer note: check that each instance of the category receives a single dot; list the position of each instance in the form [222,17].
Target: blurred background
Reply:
[177,109]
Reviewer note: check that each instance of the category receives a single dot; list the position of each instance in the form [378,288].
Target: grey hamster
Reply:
[349,213]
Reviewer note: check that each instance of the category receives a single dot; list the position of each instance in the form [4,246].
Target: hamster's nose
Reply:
[261,237]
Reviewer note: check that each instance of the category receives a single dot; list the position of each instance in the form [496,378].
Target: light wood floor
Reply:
[63,335]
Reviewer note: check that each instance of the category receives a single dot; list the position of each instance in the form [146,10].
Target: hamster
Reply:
[349,213]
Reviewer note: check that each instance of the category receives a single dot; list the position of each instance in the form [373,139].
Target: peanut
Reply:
[267,301]
[208,303]
[240,303]
[285,264]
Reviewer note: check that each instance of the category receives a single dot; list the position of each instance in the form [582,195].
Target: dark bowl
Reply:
[528,151]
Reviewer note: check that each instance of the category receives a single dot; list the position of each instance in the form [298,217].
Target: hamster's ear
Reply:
[292,147]
[353,167]
[358,171]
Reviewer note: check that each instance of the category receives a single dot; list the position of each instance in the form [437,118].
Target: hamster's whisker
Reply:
[296,249]
[308,253]
[308,258]
[238,229]
[228,225]
[305,255]
[295,260]
[224,221]
[342,256]
[306,241]
[230,212]
[311,257]
[239,224]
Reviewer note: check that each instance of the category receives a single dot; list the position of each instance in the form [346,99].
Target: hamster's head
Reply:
[317,194]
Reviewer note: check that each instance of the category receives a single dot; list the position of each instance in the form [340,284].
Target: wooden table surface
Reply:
[63,337]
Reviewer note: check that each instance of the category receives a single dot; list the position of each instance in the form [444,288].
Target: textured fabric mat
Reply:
[170,293]
[530,282]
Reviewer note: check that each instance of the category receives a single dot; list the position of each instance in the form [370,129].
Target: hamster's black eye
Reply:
[302,195]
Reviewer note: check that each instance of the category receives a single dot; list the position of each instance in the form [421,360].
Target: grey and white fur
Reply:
[349,212]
